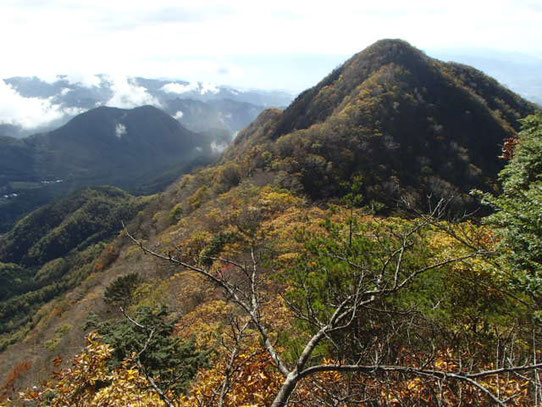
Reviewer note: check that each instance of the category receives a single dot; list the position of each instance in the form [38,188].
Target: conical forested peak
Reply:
[391,43]
[387,51]
[386,57]
[392,47]
[409,124]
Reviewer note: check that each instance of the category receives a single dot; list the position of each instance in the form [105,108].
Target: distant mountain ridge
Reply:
[410,127]
[131,149]
[67,97]
[103,140]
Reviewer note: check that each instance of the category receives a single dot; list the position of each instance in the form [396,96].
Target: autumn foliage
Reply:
[90,382]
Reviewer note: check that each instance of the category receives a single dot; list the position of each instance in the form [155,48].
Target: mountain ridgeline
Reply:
[199,107]
[410,125]
[108,145]
[276,215]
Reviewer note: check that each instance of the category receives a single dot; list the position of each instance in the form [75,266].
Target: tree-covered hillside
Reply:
[142,149]
[55,248]
[294,304]
[325,260]
[410,125]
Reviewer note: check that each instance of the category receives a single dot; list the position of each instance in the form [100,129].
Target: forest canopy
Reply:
[307,306]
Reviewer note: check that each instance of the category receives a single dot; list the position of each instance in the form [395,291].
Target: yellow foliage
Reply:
[254,382]
[205,323]
[89,382]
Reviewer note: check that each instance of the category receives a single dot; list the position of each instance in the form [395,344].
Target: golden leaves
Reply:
[90,382]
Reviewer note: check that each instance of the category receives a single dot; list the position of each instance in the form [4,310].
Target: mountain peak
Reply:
[393,44]
[317,103]
[388,51]
[409,124]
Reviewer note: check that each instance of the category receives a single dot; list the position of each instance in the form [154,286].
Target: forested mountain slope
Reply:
[410,125]
[55,248]
[142,149]
[277,277]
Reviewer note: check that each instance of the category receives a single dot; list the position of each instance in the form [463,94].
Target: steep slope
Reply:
[410,125]
[54,248]
[220,118]
[16,160]
[84,217]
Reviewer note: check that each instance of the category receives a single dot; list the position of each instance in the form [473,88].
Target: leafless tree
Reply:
[370,287]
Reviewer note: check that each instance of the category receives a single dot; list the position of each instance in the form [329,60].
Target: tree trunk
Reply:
[288,387]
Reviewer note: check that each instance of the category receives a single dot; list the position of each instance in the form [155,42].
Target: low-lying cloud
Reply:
[218,147]
[85,80]
[120,130]
[37,114]
[26,112]
[127,94]
[180,88]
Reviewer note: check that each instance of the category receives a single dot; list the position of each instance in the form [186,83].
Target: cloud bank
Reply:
[127,94]
[26,112]
[180,88]
[32,114]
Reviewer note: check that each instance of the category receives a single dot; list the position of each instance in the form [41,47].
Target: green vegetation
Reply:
[13,280]
[411,126]
[171,361]
[86,217]
[307,267]
[142,150]
[121,291]
[55,248]
[518,209]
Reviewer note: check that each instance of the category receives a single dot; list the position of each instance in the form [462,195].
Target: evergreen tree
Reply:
[518,216]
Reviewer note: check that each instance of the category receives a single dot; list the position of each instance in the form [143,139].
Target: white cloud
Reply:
[179,88]
[120,130]
[126,94]
[154,39]
[85,80]
[206,87]
[74,78]
[72,111]
[27,112]
[218,148]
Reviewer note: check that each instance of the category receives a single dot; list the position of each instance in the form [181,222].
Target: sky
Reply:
[279,44]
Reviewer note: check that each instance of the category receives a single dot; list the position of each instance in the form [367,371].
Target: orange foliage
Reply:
[108,256]
[90,382]
[9,386]
[254,382]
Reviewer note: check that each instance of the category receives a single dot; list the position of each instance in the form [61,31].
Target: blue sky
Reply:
[272,45]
